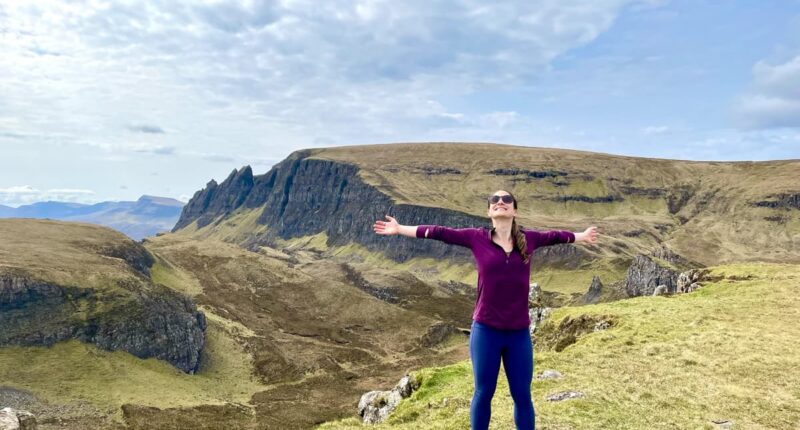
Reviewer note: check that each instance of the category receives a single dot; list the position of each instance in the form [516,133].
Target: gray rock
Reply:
[593,294]
[601,325]
[644,275]
[660,290]
[537,315]
[549,374]
[564,395]
[376,406]
[684,279]
[14,419]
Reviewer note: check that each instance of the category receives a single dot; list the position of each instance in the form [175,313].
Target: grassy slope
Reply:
[73,372]
[727,351]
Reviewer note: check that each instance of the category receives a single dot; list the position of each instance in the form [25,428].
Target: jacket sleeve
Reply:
[453,236]
[538,239]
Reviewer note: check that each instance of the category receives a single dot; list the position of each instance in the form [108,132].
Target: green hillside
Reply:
[725,352]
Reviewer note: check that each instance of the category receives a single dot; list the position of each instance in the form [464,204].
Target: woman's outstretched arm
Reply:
[454,236]
[393,227]
[553,237]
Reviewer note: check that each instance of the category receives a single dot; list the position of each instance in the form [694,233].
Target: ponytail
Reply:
[521,243]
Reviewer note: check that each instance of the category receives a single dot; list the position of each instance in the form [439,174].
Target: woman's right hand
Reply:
[387,227]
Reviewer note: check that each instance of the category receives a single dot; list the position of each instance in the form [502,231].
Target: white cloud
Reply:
[774,100]
[354,71]
[26,194]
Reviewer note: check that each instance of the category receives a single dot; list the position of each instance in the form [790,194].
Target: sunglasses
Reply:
[507,199]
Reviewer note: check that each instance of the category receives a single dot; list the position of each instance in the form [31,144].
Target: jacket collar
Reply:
[491,230]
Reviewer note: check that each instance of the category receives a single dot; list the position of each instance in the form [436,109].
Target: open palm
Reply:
[387,227]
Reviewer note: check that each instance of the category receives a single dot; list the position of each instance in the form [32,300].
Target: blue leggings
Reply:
[486,346]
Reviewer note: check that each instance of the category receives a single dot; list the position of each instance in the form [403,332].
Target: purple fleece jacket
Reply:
[503,279]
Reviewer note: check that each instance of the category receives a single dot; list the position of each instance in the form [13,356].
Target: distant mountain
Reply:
[145,217]
[6,211]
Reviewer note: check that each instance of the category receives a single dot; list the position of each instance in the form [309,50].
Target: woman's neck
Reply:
[503,230]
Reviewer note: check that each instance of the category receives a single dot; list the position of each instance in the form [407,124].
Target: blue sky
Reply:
[109,101]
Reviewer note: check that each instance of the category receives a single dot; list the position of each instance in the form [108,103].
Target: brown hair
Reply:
[519,237]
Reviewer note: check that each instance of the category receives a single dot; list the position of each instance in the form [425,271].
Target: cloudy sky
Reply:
[109,101]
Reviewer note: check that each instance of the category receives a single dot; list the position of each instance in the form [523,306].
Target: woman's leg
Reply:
[484,350]
[518,363]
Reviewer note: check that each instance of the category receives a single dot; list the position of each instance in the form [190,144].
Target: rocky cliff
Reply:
[304,196]
[92,284]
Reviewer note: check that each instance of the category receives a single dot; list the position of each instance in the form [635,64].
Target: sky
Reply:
[112,100]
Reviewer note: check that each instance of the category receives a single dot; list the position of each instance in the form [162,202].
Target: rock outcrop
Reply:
[375,406]
[644,275]
[217,199]
[537,310]
[13,419]
[570,329]
[143,319]
[594,292]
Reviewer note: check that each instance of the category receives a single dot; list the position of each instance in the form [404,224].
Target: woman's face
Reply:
[501,209]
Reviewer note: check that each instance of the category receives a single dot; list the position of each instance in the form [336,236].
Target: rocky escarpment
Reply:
[217,199]
[780,201]
[644,275]
[305,196]
[143,319]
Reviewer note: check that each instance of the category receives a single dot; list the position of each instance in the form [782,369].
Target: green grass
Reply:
[727,351]
[165,273]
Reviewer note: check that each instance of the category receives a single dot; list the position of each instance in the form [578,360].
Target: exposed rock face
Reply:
[782,201]
[690,281]
[132,253]
[375,406]
[305,196]
[565,256]
[644,275]
[672,257]
[216,200]
[677,197]
[593,295]
[570,329]
[144,319]
[537,311]
[13,419]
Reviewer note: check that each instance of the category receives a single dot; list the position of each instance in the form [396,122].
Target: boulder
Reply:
[549,374]
[376,406]
[644,275]
[14,419]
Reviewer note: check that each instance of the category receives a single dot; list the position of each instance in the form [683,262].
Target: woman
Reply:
[500,321]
